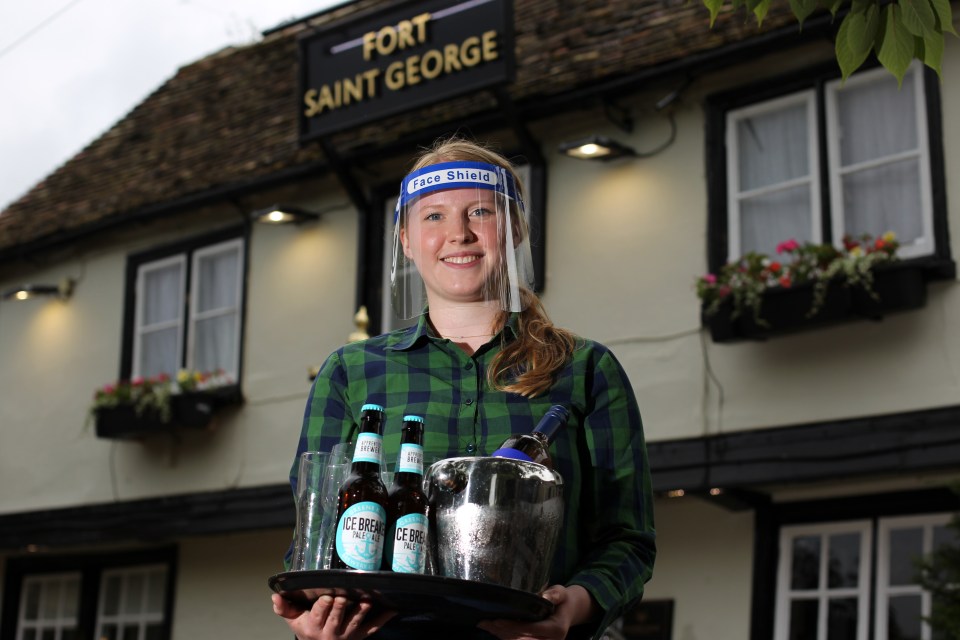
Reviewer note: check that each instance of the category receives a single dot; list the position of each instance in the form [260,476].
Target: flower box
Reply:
[188,410]
[786,310]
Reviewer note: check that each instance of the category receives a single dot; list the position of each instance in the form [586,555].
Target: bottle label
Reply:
[410,544]
[410,459]
[369,446]
[360,535]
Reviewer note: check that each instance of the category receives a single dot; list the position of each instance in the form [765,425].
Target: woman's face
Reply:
[452,236]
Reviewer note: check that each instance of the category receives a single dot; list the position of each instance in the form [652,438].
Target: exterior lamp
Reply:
[26,291]
[284,214]
[596,148]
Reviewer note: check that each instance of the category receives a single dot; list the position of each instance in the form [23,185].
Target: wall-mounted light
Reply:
[284,214]
[26,291]
[596,148]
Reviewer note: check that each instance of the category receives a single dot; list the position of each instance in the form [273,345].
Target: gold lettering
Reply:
[394,76]
[405,34]
[369,42]
[451,58]
[386,41]
[413,71]
[370,75]
[489,45]
[470,51]
[310,99]
[326,99]
[431,64]
[352,90]
[420,22]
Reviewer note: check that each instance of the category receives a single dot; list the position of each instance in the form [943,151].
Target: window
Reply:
[825,586]
[184,308]
[818,159]
[125,596]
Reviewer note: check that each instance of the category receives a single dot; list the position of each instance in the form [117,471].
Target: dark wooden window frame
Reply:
[91,568]
[188,247]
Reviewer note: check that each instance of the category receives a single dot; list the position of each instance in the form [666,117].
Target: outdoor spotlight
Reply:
[596,148]
[284,214]
[27,291]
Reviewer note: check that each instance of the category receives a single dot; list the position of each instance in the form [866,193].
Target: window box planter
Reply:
[899,287]
[189,410]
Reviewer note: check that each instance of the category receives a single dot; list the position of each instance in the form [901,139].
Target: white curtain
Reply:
[216,317]
[160,317]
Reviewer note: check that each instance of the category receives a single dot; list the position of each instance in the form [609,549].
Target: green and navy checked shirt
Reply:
[607,545]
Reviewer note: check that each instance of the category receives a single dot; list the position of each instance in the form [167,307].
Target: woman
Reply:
[483,362]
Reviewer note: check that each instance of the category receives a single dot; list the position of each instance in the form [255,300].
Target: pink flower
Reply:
[137,381]
[788,245]
[724,291]
[710,278]
[109,388]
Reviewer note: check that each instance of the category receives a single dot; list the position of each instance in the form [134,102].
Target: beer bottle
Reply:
[533,447]
[362,500]
[405,547]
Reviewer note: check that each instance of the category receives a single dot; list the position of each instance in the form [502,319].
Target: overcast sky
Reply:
[70,69]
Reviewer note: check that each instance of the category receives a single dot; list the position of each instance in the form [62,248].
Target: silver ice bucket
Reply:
[494,520]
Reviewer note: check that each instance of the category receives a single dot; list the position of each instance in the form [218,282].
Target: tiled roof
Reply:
[230,118]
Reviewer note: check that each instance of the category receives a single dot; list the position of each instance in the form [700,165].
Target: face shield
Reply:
[460,238]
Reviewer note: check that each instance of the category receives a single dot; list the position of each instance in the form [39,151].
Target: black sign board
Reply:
[414,54]
[649,620]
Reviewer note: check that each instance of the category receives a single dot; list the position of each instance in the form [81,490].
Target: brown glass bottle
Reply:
[534,446]
[405,546]
[361,503]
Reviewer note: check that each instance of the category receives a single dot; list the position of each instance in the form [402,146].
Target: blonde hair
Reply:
[529,364]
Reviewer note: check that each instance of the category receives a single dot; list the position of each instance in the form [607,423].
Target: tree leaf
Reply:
[760,11]
[918,16]
[714,6]
[856,37]
[896,44]
[803,8]
[944,15]
[932,54]
[834,5]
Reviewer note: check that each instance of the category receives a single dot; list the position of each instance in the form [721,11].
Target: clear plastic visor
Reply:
[460,239]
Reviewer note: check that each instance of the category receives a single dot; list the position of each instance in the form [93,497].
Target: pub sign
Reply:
[415,54]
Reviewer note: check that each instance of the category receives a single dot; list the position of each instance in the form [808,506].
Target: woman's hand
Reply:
[572,606]
[330,618]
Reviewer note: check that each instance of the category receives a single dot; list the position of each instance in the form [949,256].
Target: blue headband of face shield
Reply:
[456,175]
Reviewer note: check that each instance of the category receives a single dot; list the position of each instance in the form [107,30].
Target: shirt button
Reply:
[468,366]
[468,401]
[471,448]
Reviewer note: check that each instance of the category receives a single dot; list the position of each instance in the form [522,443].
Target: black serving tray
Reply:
[415,597]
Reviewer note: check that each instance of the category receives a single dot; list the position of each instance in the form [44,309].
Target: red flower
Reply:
[785,281]
[138,381]
[849,243]
[775,267]
[724,291]
[880,244]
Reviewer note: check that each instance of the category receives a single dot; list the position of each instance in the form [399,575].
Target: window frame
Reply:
[938,264]
[188,250]
[823,594]
[91,568]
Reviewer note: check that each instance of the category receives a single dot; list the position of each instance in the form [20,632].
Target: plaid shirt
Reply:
[608,537]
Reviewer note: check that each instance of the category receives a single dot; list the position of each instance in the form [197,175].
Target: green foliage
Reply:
[897,31]
[939,574]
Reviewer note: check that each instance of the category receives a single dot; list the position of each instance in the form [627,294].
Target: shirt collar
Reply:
[414,335]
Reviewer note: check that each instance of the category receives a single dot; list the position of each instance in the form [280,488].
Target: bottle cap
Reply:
[413,419]
[371,407]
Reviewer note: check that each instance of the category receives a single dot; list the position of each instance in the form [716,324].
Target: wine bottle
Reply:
[362,500]
[534,446]
[405,546]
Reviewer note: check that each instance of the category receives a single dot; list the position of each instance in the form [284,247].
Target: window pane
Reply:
[944,535]
[156,590]
[161,295]
[48,634]
[842,619]
[71,597]
[218,275]
[877,119]
[158,352]
[69,633]
[903,618]
[767,220]
[32,601]
[108,632]
[29,634]
[50,607]
[906,546]
[154,632]
[215,344]
[773,147]
[111,596]
[844,562]
[130,632]
[884,198]
[803,620]
[806,563]
[133,598]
